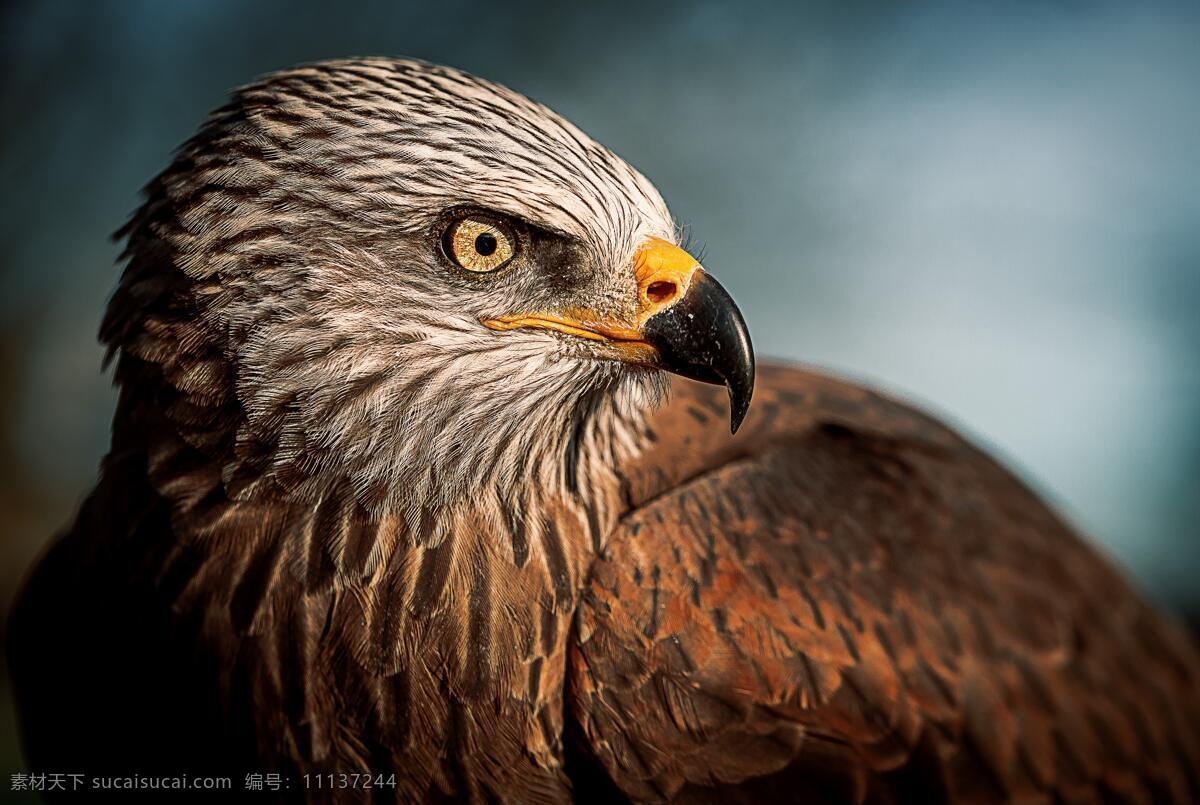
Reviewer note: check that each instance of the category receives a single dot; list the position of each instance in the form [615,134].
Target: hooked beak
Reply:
[686,324]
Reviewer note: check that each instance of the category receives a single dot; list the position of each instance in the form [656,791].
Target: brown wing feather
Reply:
[849,603]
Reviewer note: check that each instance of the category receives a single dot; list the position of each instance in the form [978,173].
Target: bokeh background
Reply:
[990,208]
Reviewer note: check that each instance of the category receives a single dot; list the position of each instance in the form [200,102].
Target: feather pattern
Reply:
[345,527]
[852,599]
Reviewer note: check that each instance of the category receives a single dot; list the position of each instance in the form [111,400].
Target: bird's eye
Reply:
[479,244]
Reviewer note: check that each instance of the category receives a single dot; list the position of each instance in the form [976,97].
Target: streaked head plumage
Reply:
[305,223]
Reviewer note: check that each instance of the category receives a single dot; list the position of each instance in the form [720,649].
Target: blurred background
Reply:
[992,209]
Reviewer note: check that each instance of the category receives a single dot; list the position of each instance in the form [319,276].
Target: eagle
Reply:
[434,469]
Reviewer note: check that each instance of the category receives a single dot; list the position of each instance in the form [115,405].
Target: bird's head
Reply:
[416,281]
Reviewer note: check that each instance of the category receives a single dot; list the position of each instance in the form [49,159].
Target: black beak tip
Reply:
[739,404]
[735,420]
[703,336]
[739,376]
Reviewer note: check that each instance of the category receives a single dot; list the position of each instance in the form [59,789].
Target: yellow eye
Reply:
[479,244]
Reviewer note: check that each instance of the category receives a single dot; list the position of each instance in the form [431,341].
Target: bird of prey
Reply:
[401,486]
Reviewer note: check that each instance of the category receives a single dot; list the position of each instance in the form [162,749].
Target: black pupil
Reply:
[486,244]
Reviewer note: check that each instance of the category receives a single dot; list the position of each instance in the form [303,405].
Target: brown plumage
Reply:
[358,514]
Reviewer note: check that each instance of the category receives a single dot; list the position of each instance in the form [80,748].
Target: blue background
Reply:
[992,209]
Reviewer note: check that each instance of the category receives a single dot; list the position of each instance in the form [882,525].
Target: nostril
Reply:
[661,292]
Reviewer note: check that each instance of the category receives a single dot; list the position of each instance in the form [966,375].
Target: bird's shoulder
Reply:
[849,597]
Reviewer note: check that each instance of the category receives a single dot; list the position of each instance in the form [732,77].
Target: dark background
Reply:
[992,209]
